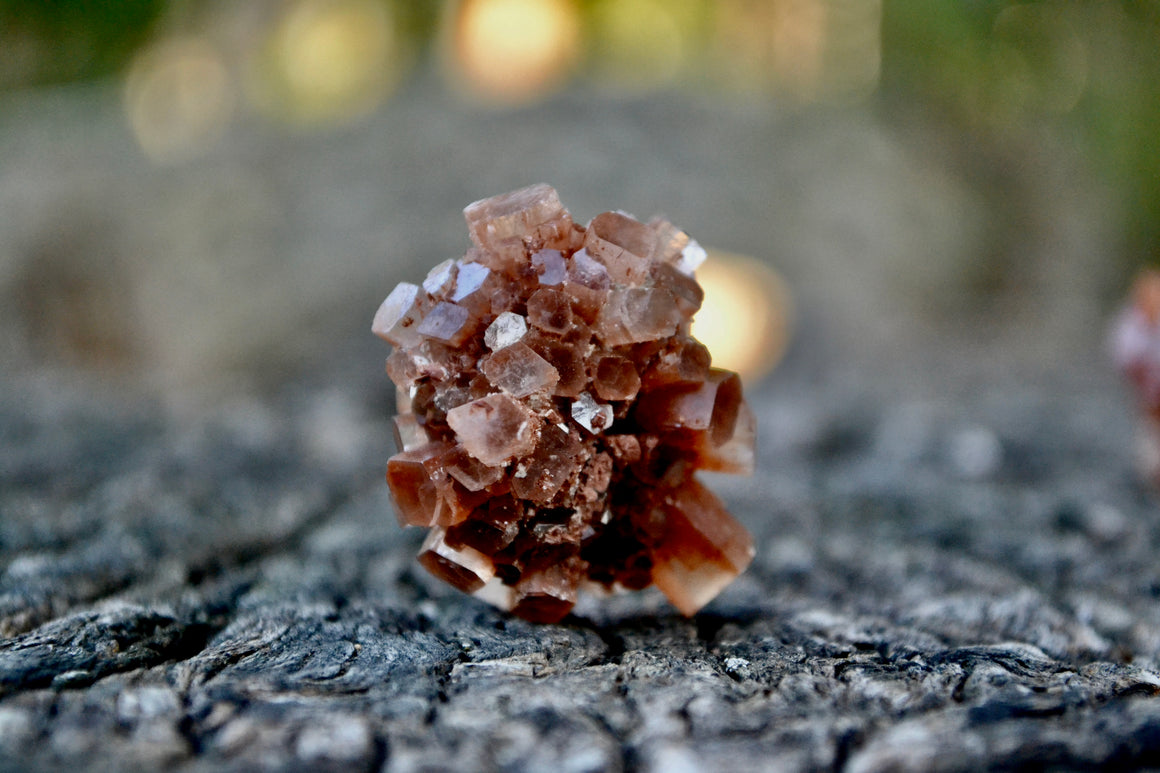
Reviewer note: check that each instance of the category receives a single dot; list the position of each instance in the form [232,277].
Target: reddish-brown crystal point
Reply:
[464,567]
[554,410]
[701,550]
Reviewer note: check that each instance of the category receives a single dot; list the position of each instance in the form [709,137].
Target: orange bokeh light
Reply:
[512,51]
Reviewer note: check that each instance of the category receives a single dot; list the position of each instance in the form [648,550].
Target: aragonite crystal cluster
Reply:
[1135,344]
[553,410]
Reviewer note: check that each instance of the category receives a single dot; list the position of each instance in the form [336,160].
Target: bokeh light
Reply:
[512,51]
[329,61]
[179,98]
[746,318]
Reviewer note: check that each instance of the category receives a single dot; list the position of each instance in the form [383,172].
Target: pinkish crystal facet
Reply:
[519,371]
[494,429]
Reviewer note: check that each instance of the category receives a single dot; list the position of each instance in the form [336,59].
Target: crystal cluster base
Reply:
[553,410]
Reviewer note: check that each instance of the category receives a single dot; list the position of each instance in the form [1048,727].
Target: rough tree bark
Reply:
[951,585]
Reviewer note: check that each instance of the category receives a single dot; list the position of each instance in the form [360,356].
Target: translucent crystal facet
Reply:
[637,314]
[553,463]
[519,371]
[616,378]
[701,550]
[399,315]
[465,568]
[549,266]
[441,278]
[507,224]
[553,410]
[550,311]
[409,433]
[507,329]
[591,415]
[494,429]
[446,322]
[546,595]
[622,244]
[424,494]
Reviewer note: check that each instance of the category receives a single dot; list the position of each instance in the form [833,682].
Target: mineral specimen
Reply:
[554,409]
[1135,345]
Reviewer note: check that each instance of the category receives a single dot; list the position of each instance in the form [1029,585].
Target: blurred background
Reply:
[207,196]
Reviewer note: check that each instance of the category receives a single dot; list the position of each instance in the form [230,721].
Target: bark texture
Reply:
[953,585]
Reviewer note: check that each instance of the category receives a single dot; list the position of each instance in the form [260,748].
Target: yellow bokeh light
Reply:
[746,317]
[514,50]
[178,98]
[329,61]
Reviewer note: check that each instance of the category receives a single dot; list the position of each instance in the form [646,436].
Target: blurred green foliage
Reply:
[1003,71]
[54,41]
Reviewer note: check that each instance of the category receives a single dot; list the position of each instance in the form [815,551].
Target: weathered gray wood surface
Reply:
[214,596]
[956,567]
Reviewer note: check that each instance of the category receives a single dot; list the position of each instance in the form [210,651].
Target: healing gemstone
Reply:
[547,595]
[670,240]
[730,450]
[465,568]
[701,549]
[491,529]
[397,318]
[550,267]
[471,280]
[482,290]
[591,415]
[428,360]
[447,323]
[710,405]
[440,279]
[494,429]
[555,460]
[471,473]
[504,224]
[507,329]
[616,378]
[588,283]
[566,358]
[519,371]
[675,248]
[413,492]
[678,361]
[550,310]
[553,410]
[684,287]
[423,493]
[636,314]
[409,434]
[622,244]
